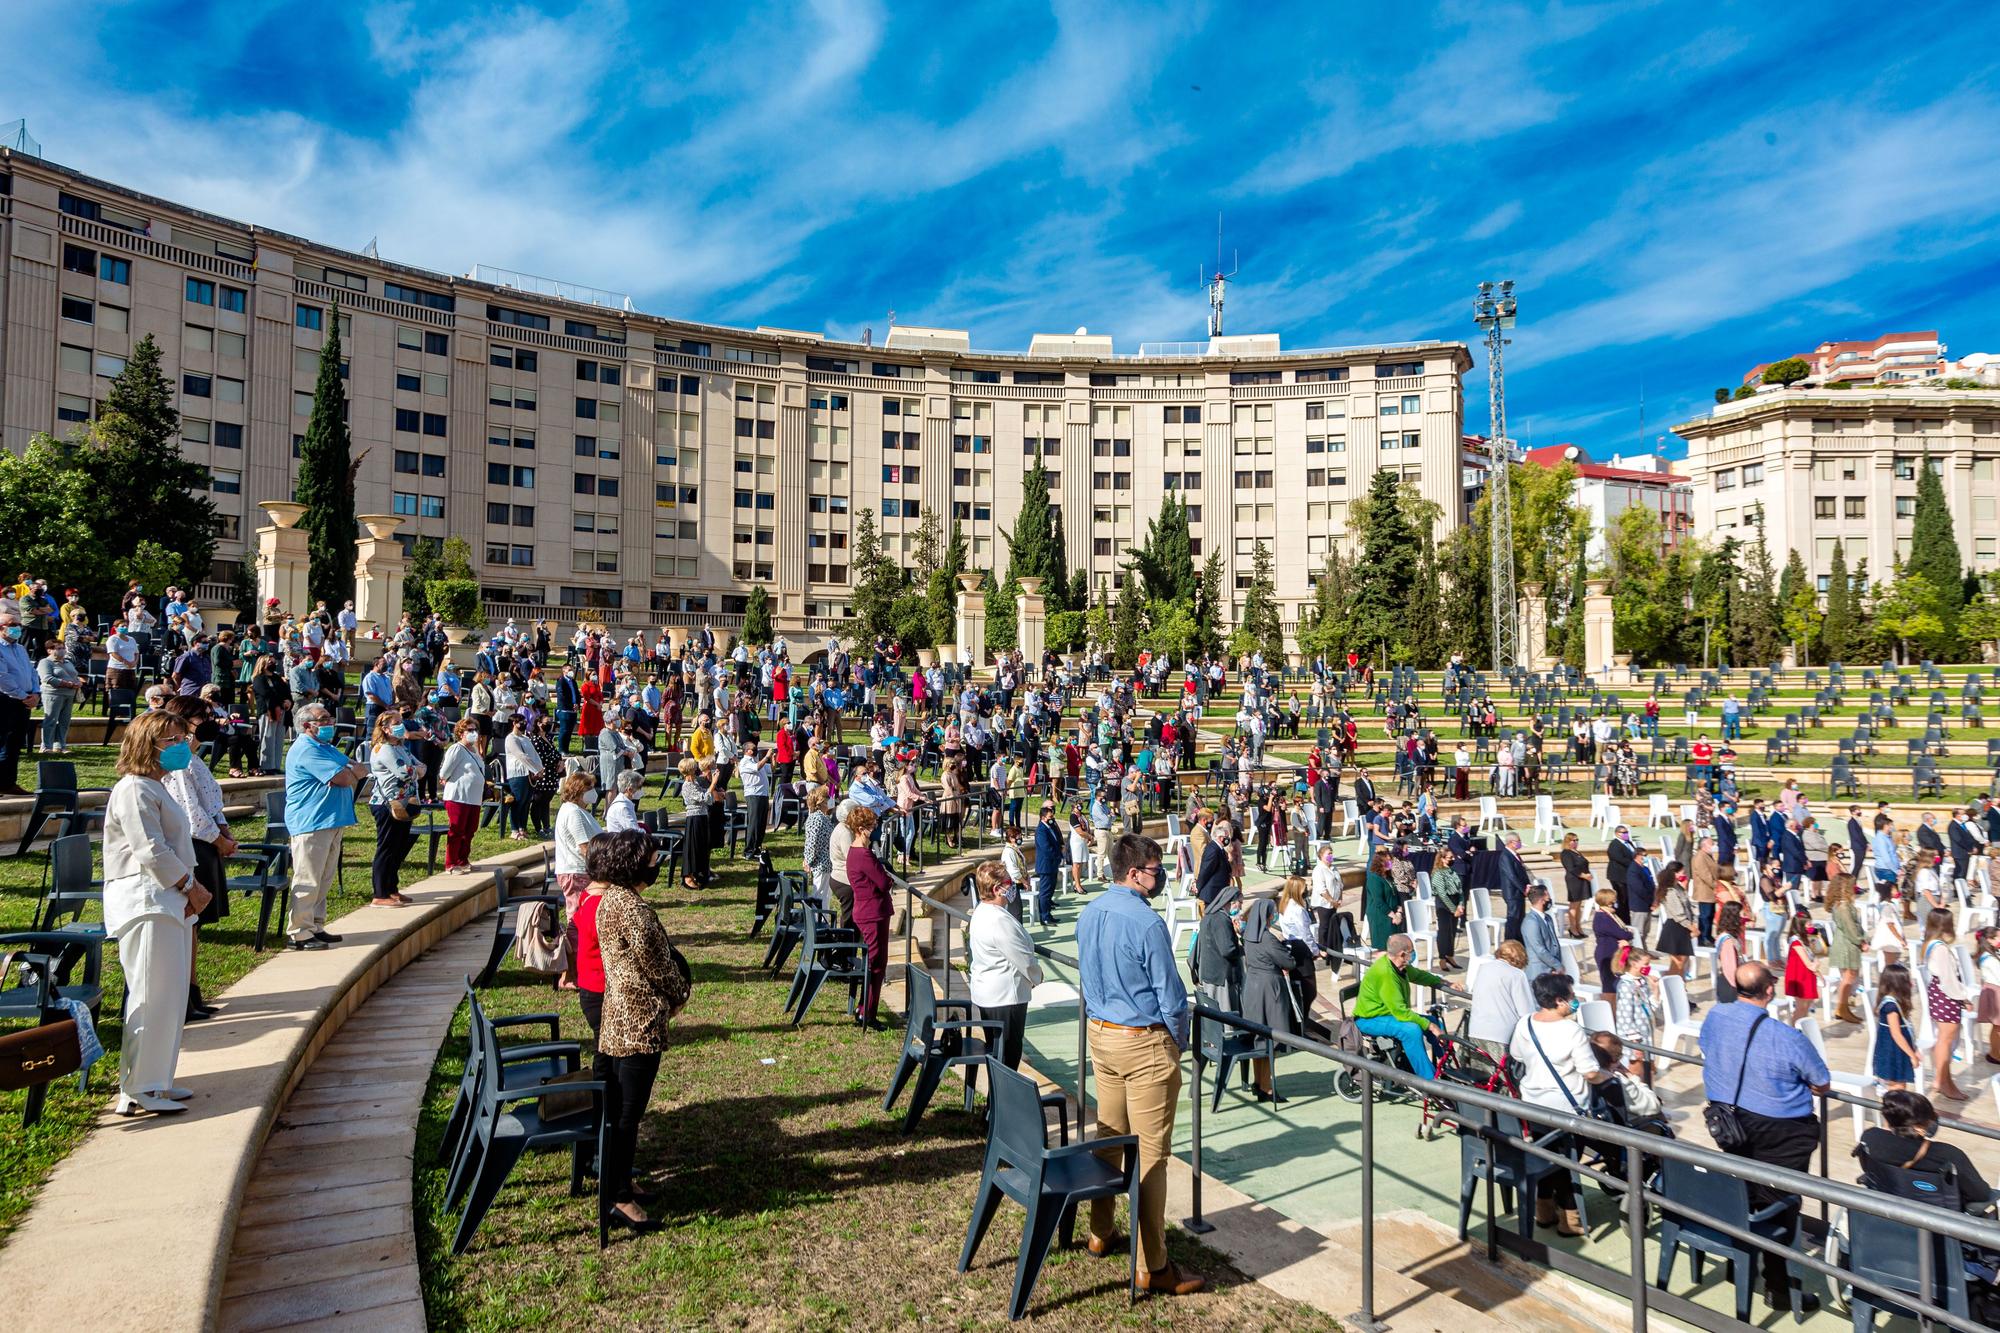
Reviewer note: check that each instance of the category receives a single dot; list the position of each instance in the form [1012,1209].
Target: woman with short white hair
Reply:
[623,812]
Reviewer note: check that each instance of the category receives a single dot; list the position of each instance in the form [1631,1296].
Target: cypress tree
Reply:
[1934,545]
[757,617]
[1128,623]
[1758,631]
[1385,572]
[326,483]
[1836,632]
[943,589]
[1260,623]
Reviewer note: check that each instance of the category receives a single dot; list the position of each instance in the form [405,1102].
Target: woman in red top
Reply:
[587,961]
[592,719]
[869,880]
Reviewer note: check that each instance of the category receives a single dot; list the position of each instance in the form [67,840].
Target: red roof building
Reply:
[1892,358]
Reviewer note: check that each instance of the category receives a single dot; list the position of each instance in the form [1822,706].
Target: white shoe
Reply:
[133,1103]
[178,1094]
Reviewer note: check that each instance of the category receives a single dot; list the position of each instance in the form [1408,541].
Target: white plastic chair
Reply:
[1658,813]
[1424,885]
[1613,817]
[1680,1024]
[1548,824]
[1183,911]
[1419,925]
[1599,803]
[1489,815]
[1861,1085]
[1350,818]
[1597,1016]
[1479,944]
[1481,902]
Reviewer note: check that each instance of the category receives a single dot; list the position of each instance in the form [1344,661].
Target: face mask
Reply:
[325,733]
[1575,1005]
[176,756]
[13,634]
[399,731]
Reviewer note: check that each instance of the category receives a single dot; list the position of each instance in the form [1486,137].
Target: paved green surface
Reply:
[1303,1159]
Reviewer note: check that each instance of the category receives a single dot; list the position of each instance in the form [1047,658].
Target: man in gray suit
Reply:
[1538,934]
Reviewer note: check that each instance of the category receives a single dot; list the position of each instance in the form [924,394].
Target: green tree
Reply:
[875,579]
[1798,604]
[1323,630]
[1908,615]
[1714,591]
[1128,624]
[243,593]
[1097,620]
[1647,621]
[1837,627]
[453,592]
[426,563]
[1260,619]
[1055,589]
[941,594]
[1079,591]
[155,493]
[1789,371]
[1575,644]
[927,548]
[1743,391]
[757,617]
[1065,632]
[1979,621]
[1424,634]
[1934,548]
[326,483]
[52,519]
[1385,571]
[1165,561]
[1722,395]
[1208,605]
[1757,632]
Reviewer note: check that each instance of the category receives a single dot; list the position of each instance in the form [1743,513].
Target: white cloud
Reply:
[1501,218]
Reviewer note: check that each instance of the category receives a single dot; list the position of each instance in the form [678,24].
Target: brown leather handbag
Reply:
[39,1055]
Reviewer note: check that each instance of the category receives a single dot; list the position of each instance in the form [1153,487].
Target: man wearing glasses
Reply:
[1139,1014]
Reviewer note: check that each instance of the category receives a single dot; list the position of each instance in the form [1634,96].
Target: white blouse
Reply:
[463,775]
[1003,965]
[574,827]
[199,796]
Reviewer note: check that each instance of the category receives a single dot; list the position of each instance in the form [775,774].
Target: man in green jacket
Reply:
[1382,1005]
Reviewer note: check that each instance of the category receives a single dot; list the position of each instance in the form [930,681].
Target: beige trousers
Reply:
[1138,1088]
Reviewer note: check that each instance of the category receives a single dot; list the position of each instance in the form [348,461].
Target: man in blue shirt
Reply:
[1138,1008]
[19,685]
[319,803]
[1882,844]
[1771,1073]
[378,691]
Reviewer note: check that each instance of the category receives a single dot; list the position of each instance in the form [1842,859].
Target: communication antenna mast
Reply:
[1493,311]
[1218,282]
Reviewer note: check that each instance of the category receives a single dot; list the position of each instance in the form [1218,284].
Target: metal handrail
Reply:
[1457,1097]
[1926,1221]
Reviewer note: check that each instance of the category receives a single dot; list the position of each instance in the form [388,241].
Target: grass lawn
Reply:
[225,953]
[788,1197]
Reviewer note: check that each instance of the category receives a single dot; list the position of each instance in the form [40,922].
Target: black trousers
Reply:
[757,809]
[1517,912]
[628,1088]
[1777,1141]
[1013,1020]
[13,736]
[694,848]
[393,840]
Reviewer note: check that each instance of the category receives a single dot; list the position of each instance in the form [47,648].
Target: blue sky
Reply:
[1680,191]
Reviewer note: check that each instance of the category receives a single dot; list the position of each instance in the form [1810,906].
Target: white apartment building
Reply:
[1816,466]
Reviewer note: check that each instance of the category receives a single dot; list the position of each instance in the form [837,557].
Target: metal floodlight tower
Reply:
[1493,311]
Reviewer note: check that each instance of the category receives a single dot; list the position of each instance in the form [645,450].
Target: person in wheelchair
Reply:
[1906,1145]
[1382,1004]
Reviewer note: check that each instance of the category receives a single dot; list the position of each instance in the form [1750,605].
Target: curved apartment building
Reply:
[654,470]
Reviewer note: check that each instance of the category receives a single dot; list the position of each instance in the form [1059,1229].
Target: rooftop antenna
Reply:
[370,249]
[1493,311]
[14,134]
[1218,282]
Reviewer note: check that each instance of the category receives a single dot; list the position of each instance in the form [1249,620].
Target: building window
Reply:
[234,299]
[1398,369]
[1906,506]
[409,419]
[1906,468]
[112,269]
[1753,473]
[309,317]
[1823,506]
[403,502]
[196,386]
[437,344]
[1857,506]
[407,461]
[434,424]
[200,292]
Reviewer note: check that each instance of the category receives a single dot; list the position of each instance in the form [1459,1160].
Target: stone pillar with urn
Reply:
[1533,623]
[1597,623]
[282,559]
[1030,622]
[379,566]
[971,620]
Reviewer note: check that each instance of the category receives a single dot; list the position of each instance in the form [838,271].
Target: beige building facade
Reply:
[651,471]
[1816,466]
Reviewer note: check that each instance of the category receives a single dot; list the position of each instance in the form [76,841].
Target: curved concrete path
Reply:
[325,1238]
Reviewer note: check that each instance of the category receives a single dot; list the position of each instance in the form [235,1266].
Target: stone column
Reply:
[282,558]
[378,576]
[1531,622]
[971,621]
[1597,653]
[1030,621]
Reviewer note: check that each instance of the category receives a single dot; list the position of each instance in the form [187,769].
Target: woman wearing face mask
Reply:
[392,800]
[196,792]
[151,896]
[463,773]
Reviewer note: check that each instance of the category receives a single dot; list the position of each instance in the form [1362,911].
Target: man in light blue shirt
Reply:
[1138,1010]
[1882,846]
[319,803]
[18,687]
[1771,1073]
[378,691]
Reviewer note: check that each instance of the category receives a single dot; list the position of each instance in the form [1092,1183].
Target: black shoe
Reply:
[309,942]
[324,938]
[1782,1300]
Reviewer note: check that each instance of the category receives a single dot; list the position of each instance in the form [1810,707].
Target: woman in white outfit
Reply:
[1004,969]
[622,814]
[151,898]
[575,827]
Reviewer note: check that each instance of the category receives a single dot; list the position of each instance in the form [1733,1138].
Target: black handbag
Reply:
[1724,1126]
